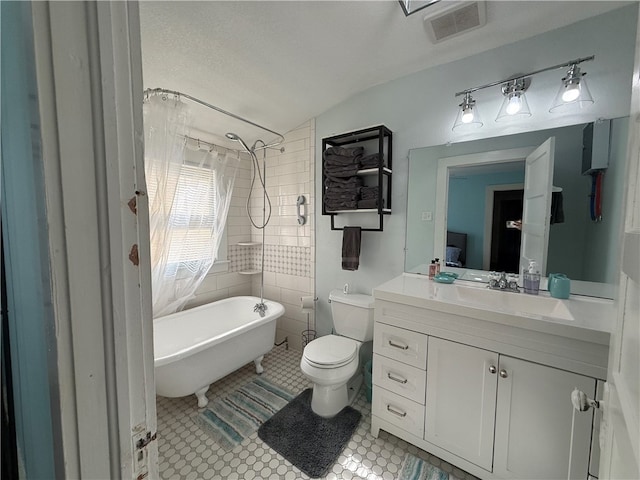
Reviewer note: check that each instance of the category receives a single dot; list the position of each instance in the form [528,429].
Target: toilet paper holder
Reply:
[308,304]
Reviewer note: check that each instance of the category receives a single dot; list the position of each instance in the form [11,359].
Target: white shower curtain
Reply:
[189,195]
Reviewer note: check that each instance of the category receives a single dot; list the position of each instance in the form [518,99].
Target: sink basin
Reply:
[516,303]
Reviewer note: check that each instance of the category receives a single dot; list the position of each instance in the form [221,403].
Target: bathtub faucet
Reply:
[260,308]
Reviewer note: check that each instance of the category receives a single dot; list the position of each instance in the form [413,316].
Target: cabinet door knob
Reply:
[503,373]
[492,369]
[397,345]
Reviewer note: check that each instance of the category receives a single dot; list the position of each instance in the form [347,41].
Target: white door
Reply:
[89,76]
[534,420]
[461,400]
[620,427]
[536,211]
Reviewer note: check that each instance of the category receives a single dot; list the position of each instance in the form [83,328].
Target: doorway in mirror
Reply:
[505,239]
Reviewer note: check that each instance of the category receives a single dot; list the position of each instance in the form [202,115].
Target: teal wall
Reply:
[467,206]
[31,325]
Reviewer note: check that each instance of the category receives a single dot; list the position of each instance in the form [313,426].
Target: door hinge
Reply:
[142,442]
[140,454]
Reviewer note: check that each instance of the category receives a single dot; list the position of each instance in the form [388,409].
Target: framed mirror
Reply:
[585,250]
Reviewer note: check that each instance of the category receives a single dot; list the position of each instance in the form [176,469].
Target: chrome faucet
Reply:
[503,283]
[260,308]
[345,289]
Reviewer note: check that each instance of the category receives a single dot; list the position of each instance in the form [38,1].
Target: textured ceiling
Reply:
[282,63]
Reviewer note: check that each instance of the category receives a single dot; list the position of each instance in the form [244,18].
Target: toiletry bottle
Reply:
[432,269]
[531,279]
[437,266]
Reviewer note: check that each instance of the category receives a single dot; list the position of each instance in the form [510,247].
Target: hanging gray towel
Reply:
[557,210]
[351,248]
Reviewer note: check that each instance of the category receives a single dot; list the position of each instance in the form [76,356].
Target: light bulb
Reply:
[467,115]
[571,93]
[514,105]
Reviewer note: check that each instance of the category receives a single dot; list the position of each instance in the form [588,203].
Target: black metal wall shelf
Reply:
[377,139]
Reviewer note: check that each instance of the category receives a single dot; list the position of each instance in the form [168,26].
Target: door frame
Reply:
[89,75]
[620,427]
[442,192]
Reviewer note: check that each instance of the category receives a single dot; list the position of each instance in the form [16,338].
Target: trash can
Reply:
[367,379]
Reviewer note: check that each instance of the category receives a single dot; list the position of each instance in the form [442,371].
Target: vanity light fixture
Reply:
[573,91]
[515,102]
[468,115]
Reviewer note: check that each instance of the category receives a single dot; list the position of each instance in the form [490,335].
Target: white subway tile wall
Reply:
[289,263]
[289,247]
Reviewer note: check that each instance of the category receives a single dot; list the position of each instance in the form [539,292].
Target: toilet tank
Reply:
[352,315]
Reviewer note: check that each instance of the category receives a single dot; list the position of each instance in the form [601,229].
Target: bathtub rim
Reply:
[274,313]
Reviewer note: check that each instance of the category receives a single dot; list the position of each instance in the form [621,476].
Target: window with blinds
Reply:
[191,218]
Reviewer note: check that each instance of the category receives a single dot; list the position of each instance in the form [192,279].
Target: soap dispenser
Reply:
[432,269]
[531,279]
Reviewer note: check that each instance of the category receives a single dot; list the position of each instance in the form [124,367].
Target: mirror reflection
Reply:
[485,203]
[481,199]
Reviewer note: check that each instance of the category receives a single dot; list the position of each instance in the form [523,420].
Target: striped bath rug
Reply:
[414,468]
[232,419]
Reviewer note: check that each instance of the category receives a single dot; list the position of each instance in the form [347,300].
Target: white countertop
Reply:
[584,318]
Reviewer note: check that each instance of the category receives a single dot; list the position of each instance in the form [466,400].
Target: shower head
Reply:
[236,138]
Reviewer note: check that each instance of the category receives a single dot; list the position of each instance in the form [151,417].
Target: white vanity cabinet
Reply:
[461,400]
[399,379]
[472,393]
[494,397]
[533,435]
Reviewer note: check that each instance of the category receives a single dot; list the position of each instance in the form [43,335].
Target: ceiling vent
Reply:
[455,18]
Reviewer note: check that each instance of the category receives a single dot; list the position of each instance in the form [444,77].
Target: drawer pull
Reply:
[396,412]
[396,379]
[397,345]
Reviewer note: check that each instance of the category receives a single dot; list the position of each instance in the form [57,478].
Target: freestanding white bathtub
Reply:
[196,347]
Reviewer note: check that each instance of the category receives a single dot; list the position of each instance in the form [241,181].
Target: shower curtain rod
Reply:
[199,142]
[149,91]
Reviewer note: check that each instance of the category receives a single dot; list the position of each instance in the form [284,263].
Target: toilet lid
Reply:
[330,351]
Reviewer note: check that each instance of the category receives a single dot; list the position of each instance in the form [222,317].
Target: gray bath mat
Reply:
[414,468]
[310,442]
[232,419]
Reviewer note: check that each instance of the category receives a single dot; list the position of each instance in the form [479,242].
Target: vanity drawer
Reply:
[400,344]
[400,378]
[400,411]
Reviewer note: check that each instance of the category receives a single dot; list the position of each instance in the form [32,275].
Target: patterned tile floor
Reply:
[186,452]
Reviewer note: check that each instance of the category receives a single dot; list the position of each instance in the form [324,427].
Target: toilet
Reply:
[332,362]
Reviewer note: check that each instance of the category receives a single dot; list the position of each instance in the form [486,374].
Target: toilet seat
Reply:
[330,351]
